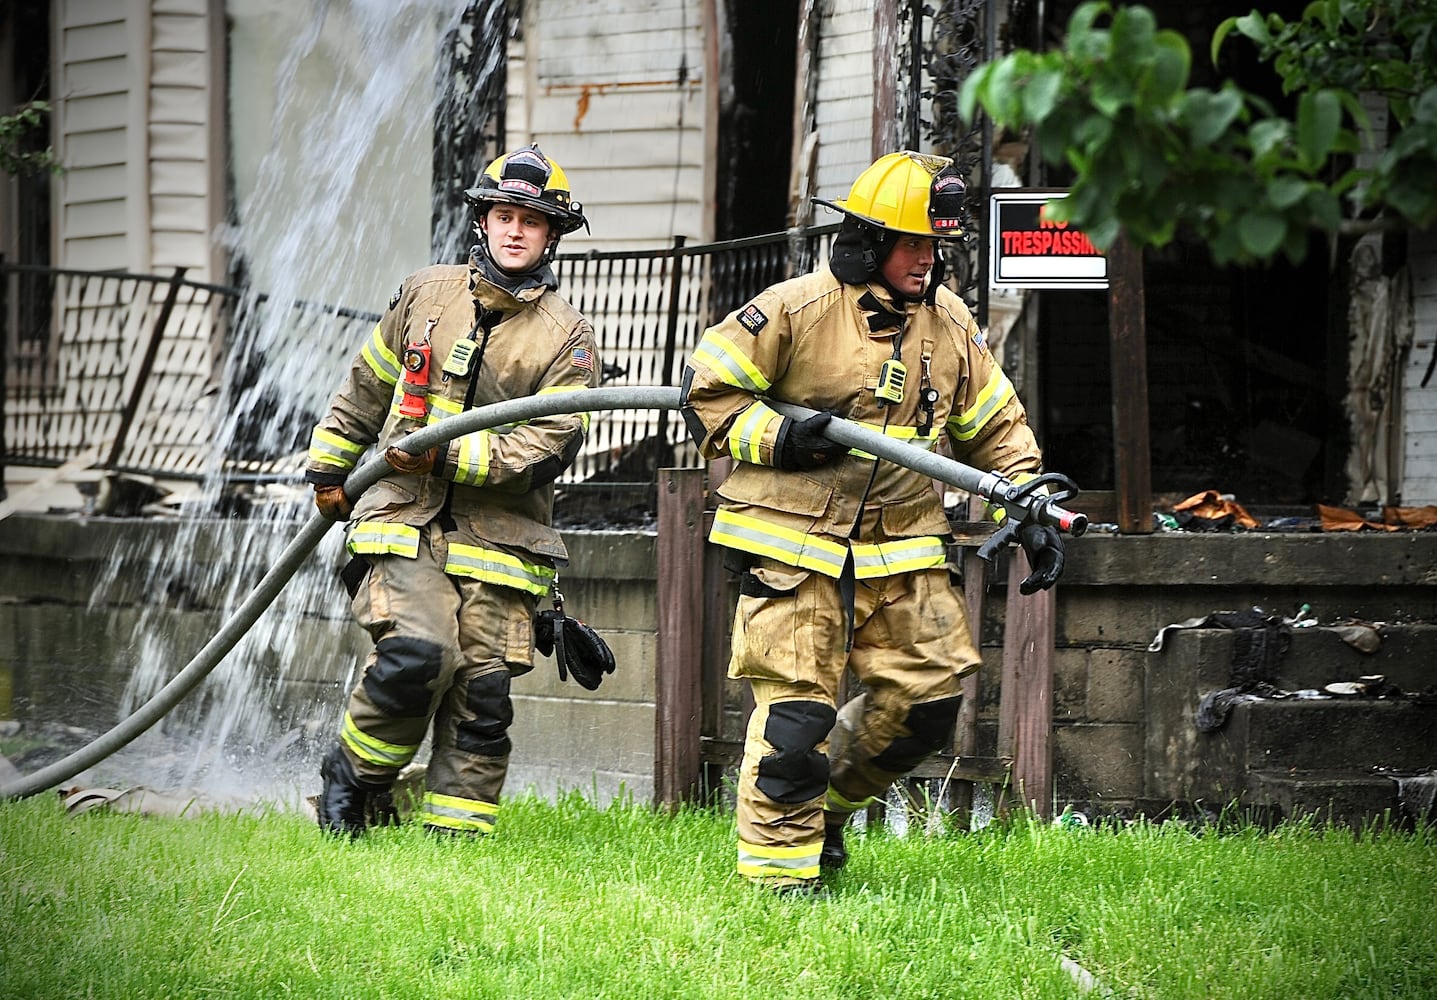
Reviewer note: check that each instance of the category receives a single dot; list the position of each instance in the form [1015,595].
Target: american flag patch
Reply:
[583,358]
[978,339]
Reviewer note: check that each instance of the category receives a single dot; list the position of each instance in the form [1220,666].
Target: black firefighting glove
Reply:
[576,648]
[332,502]
[801,444]
[1044,546]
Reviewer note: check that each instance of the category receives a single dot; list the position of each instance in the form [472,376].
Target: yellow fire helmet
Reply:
[907,192]
[529,178]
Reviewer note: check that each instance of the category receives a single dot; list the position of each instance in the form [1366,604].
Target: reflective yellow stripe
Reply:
[449,407]
[751,534]
[568,388]
[454,813]
[717,353]
[374,751]
[471,463]
[328,448]
[833,802]
[745,438]
[903,555]
[795,548]
[381,359]
[899,433]
[759,860]
[995,395]
[379,538]
[501,568]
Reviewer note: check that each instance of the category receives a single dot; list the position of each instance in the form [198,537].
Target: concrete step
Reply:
[1350,798]
[1337,734]
[1406,655]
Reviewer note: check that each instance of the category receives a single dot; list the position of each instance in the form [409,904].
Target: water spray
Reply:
[1020,503]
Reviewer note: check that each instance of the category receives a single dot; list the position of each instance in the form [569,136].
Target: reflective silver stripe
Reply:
[759,860]
[329,448]
[493,566]
[717,353]
[471,462]
[380,358]
[380,538]
[749,427]
[454,813]
[966,425]
[794,548]
[903,555]
[374,751]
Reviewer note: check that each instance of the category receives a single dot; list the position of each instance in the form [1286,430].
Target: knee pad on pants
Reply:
[795,771]
[398,681]
[487,734]
[929,726]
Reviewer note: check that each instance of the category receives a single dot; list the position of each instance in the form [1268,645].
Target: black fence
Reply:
[130,372]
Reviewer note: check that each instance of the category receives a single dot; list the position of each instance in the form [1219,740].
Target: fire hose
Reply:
[1021,503]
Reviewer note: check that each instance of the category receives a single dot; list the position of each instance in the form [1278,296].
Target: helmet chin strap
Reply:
[936,275]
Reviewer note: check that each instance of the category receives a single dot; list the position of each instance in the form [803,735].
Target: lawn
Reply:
[569,900]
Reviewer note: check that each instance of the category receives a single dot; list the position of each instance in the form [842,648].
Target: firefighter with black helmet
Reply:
[454,548]
[843,556]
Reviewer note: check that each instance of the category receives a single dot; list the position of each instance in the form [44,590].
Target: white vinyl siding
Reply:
[605,99]
[844,108]
[183,205]
[1419,431]
[96,111]
[135,125]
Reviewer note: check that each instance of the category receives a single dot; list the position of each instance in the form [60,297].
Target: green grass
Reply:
[568,900]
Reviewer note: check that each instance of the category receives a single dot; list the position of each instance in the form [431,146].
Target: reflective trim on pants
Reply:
[762,861]
[454,813]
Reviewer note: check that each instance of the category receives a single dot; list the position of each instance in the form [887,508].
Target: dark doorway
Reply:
[755,128]
[27,36]
[1245,365]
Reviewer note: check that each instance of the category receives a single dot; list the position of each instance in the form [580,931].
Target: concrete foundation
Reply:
[1123,737]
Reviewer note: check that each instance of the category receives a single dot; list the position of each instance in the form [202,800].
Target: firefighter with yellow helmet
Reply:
[453,549]
[843,556]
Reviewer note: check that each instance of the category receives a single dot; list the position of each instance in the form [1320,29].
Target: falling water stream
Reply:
[337,212]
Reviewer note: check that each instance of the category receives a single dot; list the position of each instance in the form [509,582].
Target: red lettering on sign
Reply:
[1041,242]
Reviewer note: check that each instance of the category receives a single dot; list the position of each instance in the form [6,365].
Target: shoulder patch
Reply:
[978,339]
[752,319]
[394,299]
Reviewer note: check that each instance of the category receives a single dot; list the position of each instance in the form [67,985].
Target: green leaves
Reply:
[1319,118]
[1151,155]
[1210,115]
[18,154]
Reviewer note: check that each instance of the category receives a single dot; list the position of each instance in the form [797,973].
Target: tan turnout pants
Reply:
[910,646]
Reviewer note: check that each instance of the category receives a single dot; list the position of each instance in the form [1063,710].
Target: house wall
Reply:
[138,86]
[615,93]
[1419,432]
[843,116]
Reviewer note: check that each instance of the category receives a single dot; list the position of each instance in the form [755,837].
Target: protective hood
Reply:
[540,277]
[859,250]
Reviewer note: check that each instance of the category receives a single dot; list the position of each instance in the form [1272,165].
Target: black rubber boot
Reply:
[834,855]
[344,800]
